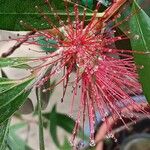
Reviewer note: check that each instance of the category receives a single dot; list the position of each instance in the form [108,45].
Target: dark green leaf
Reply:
[12,99]
[139,25]
[145,6]
[9,95]
[11,12]
[9,109]
[140,28]
[65,122]
[88,3]
[61,120]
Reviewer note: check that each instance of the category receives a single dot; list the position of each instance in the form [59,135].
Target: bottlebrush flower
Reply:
[107,76]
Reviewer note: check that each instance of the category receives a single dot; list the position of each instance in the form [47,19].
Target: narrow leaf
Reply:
[4,128]
[11,101]
[9,95]
[6,84]
[14,141]
[16,62]
[65,122]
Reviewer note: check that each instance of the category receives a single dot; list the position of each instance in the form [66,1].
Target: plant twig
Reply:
[17,45]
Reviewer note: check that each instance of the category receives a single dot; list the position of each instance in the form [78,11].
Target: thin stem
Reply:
[41,133]
[17,45]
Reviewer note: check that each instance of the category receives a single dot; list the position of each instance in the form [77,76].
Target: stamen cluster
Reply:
[107,76]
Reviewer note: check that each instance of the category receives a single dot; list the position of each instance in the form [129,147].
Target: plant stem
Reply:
[41,133]
[17,45]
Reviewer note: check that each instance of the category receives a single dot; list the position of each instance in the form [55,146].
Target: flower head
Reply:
[107,75]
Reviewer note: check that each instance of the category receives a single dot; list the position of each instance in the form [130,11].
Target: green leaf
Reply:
[12,99]
[16,62]
[88,3]
[61,120]
[145,6]
[66,145]
[6,84]
[4,128]
[15,127]
[47,45]
[65,122]
[53,126]
[11,12]
[140,27]
[14,141]
[9,95]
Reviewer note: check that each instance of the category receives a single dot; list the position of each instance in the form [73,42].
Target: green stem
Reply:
[41,133]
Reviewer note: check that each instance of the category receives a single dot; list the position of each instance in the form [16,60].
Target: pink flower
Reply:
[107,76]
